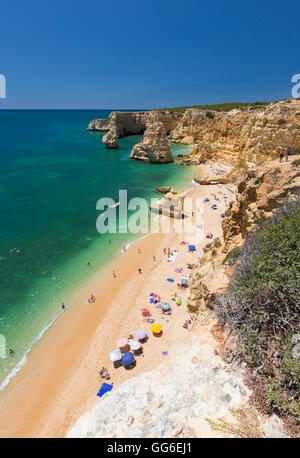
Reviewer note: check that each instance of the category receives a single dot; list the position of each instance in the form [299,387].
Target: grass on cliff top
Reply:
[261,308]
[219,106]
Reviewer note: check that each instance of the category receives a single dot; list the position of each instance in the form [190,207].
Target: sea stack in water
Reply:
[99,125]
[154,147]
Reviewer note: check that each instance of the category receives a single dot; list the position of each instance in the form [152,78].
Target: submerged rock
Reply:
[163,189]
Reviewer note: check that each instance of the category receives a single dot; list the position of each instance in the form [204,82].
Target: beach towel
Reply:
[170,280]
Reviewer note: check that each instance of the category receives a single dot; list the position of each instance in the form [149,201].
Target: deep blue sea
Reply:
[52,173]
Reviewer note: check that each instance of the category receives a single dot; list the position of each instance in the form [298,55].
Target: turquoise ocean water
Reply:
[52,173]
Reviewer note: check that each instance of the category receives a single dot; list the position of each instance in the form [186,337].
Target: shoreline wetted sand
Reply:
[60,380]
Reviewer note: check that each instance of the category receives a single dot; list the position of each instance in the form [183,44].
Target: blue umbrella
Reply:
[222,215]
[104,388]
[192,247]
[127,358]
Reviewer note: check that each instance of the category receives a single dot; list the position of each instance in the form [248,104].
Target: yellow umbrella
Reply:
[156,328]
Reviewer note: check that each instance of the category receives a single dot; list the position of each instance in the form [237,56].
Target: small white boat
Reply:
[114,205]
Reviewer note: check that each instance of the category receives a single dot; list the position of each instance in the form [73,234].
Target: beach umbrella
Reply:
[165,306]
[145,311]
[127,358]
[156,328]
[134,345]
[206,199]
[178,301]
[140,334]
[184,281]
[208,235]
[104,388]
[115,355]
[122,342]
[222,215]
[156,297]
[214,206]
[192,247]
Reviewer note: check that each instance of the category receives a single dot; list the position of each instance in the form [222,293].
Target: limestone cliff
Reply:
[258,195]
[251,135]
[122,123]
[254,134]
[98,125]
[154,147]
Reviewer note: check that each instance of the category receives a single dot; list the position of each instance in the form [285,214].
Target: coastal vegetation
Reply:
[261,309]
[219,106]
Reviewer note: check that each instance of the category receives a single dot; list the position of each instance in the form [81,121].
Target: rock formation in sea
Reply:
[154,147]
[254,134]
[99,125]
[122,123]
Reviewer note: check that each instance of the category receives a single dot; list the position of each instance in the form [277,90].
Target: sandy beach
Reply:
[60,380]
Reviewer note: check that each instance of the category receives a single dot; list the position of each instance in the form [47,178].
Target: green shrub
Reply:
[261,307]
[232,255]
[220,106]
[210,115]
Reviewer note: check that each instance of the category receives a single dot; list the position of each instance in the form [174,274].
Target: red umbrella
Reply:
[145,311]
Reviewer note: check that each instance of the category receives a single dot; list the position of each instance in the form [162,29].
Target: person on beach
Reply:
[154,258]
[288,153]
[281,155]
[165,251]
[114,274]
[140,271]
[139,251]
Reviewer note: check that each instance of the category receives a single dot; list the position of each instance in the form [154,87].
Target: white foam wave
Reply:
[23,360]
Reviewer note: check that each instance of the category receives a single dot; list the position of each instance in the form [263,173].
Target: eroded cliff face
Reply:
[122,123]
[262,191]
[154,147]
[249,135]
[255,135]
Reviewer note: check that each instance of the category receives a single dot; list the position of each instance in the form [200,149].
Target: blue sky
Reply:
[147,53]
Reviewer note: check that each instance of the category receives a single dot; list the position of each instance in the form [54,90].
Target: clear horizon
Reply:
[70,55]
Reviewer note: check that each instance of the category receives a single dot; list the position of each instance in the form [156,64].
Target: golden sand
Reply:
[60,380]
